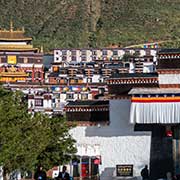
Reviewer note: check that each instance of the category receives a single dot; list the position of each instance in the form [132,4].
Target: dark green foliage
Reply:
[27,141]
[76,23]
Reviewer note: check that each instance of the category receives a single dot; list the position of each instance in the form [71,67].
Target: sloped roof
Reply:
[171,51]
[13,35]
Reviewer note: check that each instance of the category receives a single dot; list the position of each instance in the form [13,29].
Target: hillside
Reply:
[94,23]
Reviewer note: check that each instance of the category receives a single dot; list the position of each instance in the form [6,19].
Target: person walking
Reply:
[63,175]
[40,174]
[145,173]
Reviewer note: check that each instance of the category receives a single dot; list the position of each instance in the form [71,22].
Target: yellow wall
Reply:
[11,59]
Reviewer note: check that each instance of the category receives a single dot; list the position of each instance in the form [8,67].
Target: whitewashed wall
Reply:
[47,103]
[148,67]
[95,78]
[118,142]
[169,78]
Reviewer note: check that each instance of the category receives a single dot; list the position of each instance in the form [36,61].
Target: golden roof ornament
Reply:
[41,50]
[11,26]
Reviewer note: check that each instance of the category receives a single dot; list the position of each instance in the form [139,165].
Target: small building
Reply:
[40,102]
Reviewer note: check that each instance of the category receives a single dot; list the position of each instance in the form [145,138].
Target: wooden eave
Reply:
[87,108]
[135,80]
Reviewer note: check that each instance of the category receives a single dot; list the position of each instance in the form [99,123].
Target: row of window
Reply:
[104,52]
[69,96]
[76,81]
[74,58]
[84,53]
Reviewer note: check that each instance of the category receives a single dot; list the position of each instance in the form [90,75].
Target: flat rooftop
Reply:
[154,91]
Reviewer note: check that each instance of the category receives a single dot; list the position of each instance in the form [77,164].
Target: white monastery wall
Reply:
[118,143]
[169,78]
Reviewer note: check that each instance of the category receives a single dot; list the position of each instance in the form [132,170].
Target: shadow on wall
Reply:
[107,174]
[119,122]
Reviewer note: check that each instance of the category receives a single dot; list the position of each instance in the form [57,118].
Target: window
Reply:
[89,80]
[25,60]
[73,53]
[104,52]
[29,74]
[64,52]
[38,102]
[100,80]
[127,65]
[64,58]
[57,59]
[73,58]
[83,58]
[148,52]
[83,52]
[115,52]
[84,96]
[94,52]
[75,80]
[57,52]
[137,53]
[69,96]
[37,75]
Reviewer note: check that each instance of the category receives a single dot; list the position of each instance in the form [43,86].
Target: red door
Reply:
[85,170]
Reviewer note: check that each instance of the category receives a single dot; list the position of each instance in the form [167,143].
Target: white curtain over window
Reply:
[155,112]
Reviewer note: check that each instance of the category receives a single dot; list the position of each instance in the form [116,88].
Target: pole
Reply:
[89,167]
[80,169]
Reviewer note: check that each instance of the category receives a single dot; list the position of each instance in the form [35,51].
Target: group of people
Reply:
[145,175]
[40,174]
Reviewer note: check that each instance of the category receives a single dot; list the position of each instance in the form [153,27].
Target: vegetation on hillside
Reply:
[94,23]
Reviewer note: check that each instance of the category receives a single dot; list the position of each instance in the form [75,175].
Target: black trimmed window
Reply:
[69,96]
[38,102]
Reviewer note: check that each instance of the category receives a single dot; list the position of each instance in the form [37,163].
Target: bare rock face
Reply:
[92,13]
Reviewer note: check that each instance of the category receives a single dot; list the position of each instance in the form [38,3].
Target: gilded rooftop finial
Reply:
[11,26]
[41,50]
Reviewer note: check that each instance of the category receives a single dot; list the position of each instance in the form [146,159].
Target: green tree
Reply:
[27,140]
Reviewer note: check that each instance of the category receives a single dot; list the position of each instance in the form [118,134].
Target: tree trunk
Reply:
[5,174]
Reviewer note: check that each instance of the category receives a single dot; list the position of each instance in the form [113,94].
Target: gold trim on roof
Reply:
[15,74]
[16,46]
[17,39]
[6,49]
[11,26]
